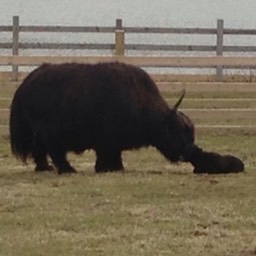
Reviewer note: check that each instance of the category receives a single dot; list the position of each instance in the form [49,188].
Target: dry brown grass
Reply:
[153,208]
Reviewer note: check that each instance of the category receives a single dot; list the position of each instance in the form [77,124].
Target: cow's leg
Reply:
[41,162]
[39,155]
[58,156]
[60,161]
[108,161]
[56,150]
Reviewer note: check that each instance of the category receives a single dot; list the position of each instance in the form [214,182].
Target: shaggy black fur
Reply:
[211,162]
[107,107]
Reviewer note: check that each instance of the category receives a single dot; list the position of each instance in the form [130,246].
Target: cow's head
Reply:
[180,133]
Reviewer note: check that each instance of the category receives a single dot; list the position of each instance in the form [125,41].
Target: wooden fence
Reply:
[120,47]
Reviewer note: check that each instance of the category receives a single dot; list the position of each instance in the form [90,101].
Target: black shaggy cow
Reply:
[107,107]
[211,162]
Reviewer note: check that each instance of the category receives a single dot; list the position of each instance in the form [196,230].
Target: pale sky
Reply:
[190,13]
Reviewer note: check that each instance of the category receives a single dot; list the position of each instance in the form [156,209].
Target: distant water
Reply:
[156,13]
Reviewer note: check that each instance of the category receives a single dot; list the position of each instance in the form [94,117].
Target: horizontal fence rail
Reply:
[142,61]
[120,47]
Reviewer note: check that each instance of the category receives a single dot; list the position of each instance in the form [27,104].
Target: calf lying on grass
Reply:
[211,162]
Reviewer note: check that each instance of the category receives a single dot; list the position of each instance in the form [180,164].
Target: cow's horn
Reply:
[180,100]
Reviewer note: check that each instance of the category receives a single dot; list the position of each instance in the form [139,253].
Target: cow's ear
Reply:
[175,107]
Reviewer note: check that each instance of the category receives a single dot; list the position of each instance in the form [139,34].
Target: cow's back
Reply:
[93,103]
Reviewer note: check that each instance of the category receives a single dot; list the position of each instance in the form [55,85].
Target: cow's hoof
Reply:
[47,168]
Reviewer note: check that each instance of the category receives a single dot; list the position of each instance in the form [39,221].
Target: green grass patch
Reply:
[152,208]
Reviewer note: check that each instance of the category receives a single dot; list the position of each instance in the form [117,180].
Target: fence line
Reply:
[143,61]
[119,46]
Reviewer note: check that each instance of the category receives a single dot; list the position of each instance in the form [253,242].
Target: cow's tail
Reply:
[21,136]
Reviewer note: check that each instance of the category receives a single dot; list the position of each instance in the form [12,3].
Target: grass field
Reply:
[152,208]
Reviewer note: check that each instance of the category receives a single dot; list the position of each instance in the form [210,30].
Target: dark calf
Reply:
[211,162]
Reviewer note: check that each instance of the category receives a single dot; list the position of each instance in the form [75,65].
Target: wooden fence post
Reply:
[15,46]
[219,49]
[119,39]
